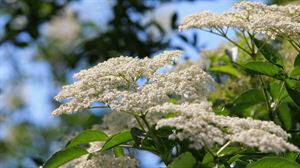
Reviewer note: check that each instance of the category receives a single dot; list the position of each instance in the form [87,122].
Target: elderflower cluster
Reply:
[102,161]
[256,18]
[105,160]
[114,122]
[198,124]
[114,83]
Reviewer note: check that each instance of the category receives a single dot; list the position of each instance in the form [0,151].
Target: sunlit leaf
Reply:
[295,72]
[87,136]
[226,69]
[64,156]
[265,68]
[274,162]
[117,139]
[185,160]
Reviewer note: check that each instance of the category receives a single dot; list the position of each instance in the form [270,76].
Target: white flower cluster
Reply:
[252,17]
[115,122]
[100,160]
[114,83]
[198,124]
[104,161]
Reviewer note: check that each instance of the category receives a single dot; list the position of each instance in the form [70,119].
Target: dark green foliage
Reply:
[293,88]
[269,52]
[248,99]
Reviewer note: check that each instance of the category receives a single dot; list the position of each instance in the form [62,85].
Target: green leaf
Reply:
[247,99]
[293,88]
[87,136]
[185,160]
[297,61]
[64,156]
[292,155]
[269,52]
[230,70]
[265,68]
[295,72]
[277,90]
[118,151]
[285,115]
[274,162]
[116,140]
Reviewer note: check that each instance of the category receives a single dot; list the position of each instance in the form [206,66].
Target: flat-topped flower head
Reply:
[114,83]
[256,18]
[103,161]
[198,124]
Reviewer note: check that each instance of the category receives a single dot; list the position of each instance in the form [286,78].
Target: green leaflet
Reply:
[247,99]
[87,136]
[230,70]
[185,160]
[293,88]
[265,68]
[269,52]
[274,162]
[116,140]
[61,157]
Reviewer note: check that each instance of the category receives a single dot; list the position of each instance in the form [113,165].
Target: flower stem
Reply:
[223,147]
[139,122]
[162,149]
[265,92]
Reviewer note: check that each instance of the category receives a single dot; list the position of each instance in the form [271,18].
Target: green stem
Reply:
[246,40]
[223,34]
[139,122]
[216,157]
[223,147]
[143,117]
[161,148]
[265,92]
